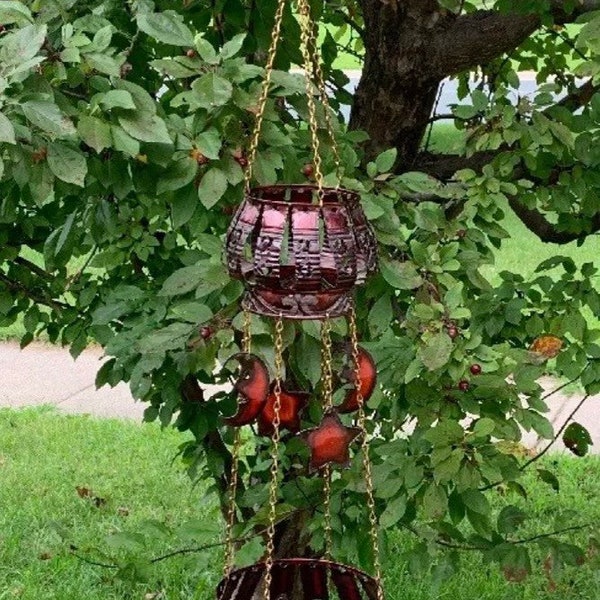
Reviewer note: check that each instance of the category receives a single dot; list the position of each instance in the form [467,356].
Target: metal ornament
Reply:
[301,251]
[299,258]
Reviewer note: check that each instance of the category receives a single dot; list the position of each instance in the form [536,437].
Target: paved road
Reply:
[43,374]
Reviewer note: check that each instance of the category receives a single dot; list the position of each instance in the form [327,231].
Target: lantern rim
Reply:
[332,196]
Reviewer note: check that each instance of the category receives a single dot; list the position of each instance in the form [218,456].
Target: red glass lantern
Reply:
[299,252]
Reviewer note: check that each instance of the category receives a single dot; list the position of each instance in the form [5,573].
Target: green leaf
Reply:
[192,312]
[14,12]
[67,164]
[117,99]
[123,142]
[435,502]
[206,50]
[183,280]
[178,175]
[510,519]
[400,275]
[211,91]
[7,131]
[21,45]
[385,161]
[393,512]
[151,130]
[212,187]
[476,501]
[48,117]
[166,27]
[484,427]
[209,143]
[436,351]
[549,478]
[184,206]
[103,63]
[233,46]
[577,439]
[95,133]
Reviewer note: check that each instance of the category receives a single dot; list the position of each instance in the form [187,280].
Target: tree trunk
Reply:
[398,87]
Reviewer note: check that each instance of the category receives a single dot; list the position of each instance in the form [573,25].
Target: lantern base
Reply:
[318,580]
[298,305]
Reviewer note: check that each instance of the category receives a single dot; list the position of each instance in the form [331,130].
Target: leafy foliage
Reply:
[122,135]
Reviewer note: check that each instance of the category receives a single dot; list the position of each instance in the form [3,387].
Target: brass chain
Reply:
[327,378]
[235,459]
[320,82]
[262,103]
[231,504]
[362,424]
[326,364]
[309,77]
[274,472]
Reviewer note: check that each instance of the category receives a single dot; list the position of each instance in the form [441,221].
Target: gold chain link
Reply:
[231,504]
[235,458]
[362,423]
[262,103]
[309,76]
[274,472]
[326,364]
[320,82]
[327,513]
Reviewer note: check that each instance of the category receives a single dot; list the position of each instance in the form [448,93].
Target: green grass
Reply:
[44,456]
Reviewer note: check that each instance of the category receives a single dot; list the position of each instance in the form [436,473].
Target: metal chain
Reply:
[327,378]
[309,77]
[231,504]
[326,364]
[274,472]
[362,424]
[262,103]
[320,82]
[235,460]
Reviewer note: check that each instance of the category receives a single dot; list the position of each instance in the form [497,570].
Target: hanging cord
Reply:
[327,375]
[262,103]
[276,438]
[313,50]
[362,423]
[235,460]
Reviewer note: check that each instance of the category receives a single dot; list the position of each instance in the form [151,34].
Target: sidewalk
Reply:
[43,374]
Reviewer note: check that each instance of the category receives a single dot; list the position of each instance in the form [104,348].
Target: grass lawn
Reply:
[45,456]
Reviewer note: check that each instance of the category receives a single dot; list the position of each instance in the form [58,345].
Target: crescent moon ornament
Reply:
[368,378]
[252,387]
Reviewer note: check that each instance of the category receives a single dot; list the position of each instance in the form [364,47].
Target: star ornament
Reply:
[330,442]
[292,405]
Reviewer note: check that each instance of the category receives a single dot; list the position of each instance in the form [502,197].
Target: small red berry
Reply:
[308,170]
[206,332]
[464,385]
[242,161]
[452,332]
[475,369]
[191,53]
[461,233]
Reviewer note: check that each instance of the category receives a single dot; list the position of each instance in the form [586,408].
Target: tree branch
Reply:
[477,38]
[556,436]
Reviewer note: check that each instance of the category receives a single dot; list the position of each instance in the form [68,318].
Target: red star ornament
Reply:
[292,404]
[330,442]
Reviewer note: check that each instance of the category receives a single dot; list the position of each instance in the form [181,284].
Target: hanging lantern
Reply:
[301,251]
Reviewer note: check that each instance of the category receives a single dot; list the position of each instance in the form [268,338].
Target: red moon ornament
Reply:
[252,387]
[368,378]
